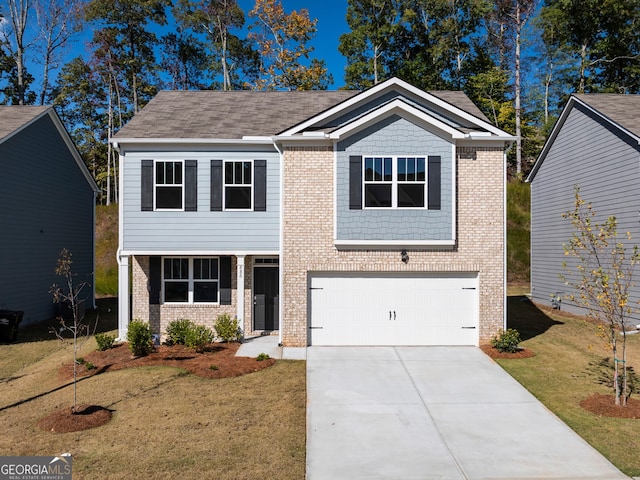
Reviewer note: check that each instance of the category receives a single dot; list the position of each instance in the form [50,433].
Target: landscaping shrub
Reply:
[177,331]
[105,341]
[227,328]
[198,337]
[506,341]
[140,338]
[263,356]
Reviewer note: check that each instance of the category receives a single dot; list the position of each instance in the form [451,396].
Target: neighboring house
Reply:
[594,146]
[47,203]
[331,217]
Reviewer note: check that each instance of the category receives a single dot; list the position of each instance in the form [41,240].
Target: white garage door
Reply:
[393,309]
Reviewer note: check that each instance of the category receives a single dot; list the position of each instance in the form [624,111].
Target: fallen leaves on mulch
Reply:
[65,420]
[494,353]
[604,405]
[219,361]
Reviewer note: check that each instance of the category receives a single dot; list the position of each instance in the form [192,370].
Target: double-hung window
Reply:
[394,182]
[169,185]
[238,185]
[190,280]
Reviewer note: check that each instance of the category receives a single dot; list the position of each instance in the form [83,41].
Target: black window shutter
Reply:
[355,182]
[435,182]
[260,185]
[146,188]
[225,280]
[155,279]
[216,185]
[191,185]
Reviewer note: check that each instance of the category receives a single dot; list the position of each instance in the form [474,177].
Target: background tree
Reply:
[184,58]
[283,45]
[601,277]
[215,19]
[57,21]
[126,42]
[14,40]
[367,46]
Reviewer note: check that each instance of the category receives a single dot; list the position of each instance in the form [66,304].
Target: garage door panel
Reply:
[393,309]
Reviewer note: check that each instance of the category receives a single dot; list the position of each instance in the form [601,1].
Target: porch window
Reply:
[191,280]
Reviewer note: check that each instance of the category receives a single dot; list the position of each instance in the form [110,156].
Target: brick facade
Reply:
[308,229]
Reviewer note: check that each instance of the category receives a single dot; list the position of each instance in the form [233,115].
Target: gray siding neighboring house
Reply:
[594,146]
[47,203]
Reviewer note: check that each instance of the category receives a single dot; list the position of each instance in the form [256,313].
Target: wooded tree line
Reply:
[518,60]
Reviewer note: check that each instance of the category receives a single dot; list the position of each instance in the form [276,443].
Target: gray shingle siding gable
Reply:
[394,136]
[46,204]
[201,230]
[586,152]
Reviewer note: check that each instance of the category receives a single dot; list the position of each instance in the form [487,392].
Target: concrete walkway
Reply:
[433,413]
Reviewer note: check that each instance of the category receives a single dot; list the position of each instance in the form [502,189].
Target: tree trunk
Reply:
[519,24]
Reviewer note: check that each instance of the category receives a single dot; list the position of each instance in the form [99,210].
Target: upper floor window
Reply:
[191,280]
[238,185]
[169,186]
[394,182]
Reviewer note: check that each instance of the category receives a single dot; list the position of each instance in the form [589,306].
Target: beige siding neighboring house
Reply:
[328,218]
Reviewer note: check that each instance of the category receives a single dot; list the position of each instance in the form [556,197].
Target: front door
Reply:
[265,298]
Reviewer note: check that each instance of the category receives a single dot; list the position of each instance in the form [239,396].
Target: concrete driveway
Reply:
[433,413]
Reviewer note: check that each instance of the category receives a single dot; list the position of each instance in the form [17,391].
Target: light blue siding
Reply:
[46,204]
[203,230]
[394,136]
[607,170]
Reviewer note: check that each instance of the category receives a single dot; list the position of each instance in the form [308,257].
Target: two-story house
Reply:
[330,217]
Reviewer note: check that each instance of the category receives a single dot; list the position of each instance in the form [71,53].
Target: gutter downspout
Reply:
[281,230]
[504,240]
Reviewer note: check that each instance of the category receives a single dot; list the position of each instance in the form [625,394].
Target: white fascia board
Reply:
[199,253]
[389,85]
[117,142]
[389,244]
[395,107]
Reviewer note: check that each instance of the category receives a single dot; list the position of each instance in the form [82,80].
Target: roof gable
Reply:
[619,113]
[15,119]
[463,115]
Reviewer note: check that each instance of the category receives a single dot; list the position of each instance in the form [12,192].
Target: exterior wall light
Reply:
[404,256]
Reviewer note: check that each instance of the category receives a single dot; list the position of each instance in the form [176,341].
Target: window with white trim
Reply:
[238,185]
[190,280]
[169,185]
[395,182]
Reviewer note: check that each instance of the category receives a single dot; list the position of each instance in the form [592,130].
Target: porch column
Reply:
[240,290]
[123,297]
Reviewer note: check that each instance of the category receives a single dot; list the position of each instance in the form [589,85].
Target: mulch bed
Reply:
[604,405]
[219,361]
[494,353]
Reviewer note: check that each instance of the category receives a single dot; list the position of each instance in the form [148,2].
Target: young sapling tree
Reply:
[71,331]
[602,278]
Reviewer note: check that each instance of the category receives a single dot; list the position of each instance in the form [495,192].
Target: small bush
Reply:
[177,331]
[506,341]
[227,328]
[213,367]
[89,366]
[140,338]
[105,341]
[198,337]
[263,356]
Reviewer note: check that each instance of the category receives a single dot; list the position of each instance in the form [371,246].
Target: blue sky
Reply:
[332,23]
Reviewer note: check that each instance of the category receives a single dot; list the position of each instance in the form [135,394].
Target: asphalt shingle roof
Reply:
[12,117]
[228,115]
[621,109]
[208,114]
